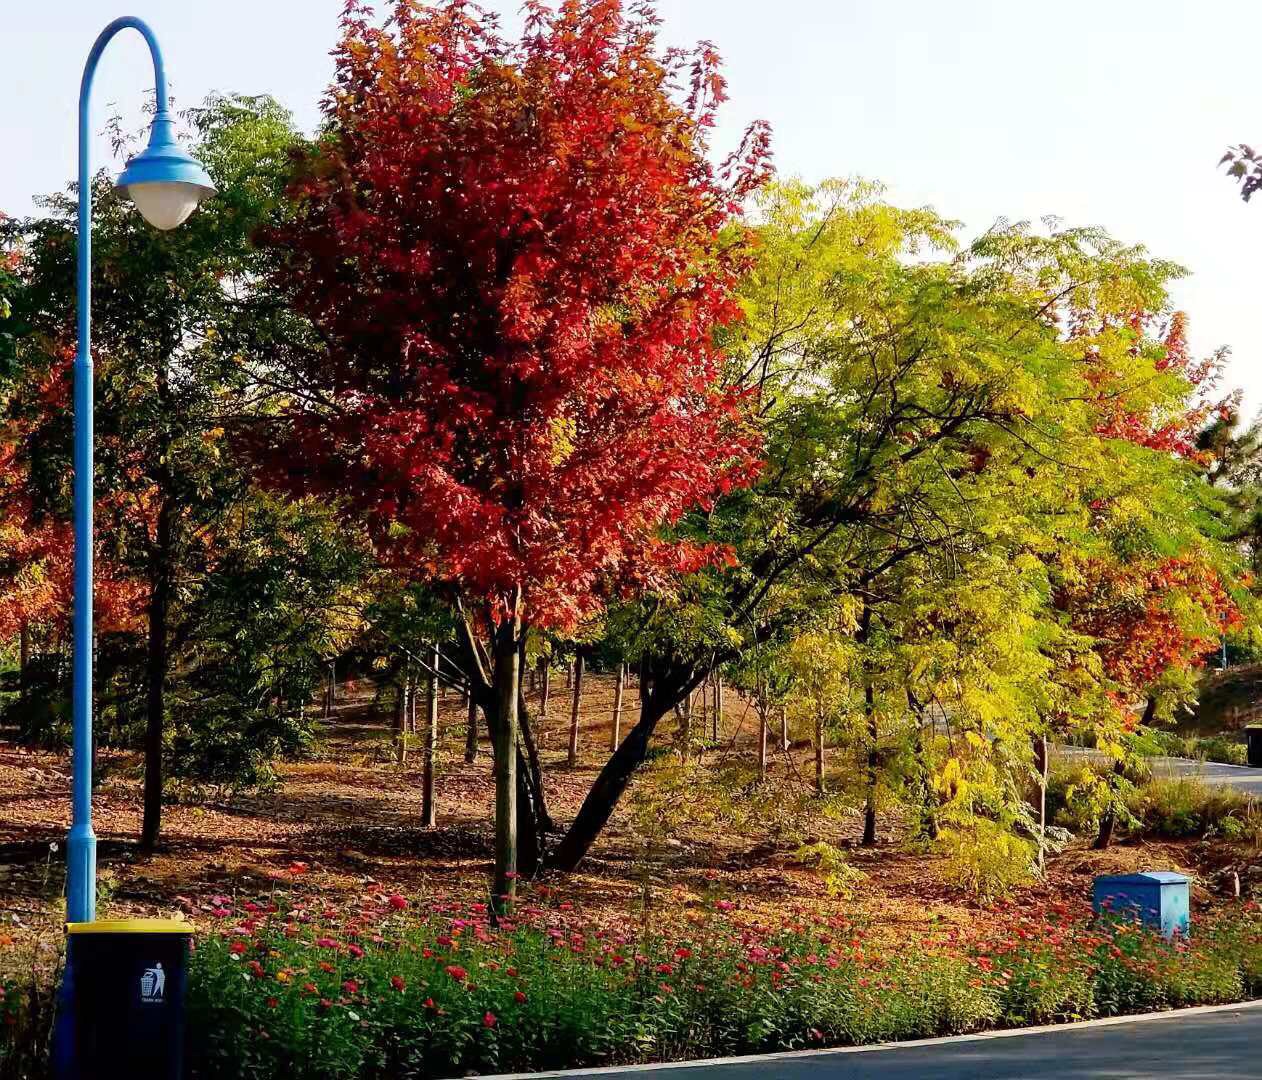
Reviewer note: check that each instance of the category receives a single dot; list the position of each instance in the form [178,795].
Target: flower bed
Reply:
[382,991]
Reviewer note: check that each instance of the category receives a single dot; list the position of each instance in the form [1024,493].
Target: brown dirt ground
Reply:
[352,815]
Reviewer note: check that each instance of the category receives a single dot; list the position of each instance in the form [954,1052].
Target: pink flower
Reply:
[397,902]
[325,943]
[489,1020]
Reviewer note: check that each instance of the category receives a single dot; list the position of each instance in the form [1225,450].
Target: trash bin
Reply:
[124,1000]
[1157,898]
[1253,741]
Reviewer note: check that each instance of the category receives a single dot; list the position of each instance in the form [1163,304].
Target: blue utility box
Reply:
[1157,898]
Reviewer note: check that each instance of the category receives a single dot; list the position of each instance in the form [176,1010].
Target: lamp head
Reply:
[164,182]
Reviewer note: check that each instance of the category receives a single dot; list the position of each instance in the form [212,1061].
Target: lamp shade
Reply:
[164,182]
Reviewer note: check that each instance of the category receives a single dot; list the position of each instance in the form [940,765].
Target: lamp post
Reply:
[166,185]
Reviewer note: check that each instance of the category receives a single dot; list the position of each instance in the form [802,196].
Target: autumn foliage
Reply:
[37,543]
[515,256]
[1162,615]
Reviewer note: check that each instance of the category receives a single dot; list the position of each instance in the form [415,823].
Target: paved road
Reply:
[1240,777]
[1215,1044]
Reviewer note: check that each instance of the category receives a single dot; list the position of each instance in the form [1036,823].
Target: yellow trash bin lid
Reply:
[131,926]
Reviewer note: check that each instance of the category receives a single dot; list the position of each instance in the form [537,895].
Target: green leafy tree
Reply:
[172,393]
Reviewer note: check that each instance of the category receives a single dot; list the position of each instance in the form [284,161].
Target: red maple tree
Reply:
[515,255]
[1140,615]
[37,544]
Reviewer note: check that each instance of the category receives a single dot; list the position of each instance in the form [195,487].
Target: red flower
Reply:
[297,868]
[272,1002]
[398,982]
[519,997]
[397,902]
[355,951]
[237,948]
[456,972]
[351,986]
[489,1020]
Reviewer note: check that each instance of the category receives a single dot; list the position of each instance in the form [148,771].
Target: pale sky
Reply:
[1103,112]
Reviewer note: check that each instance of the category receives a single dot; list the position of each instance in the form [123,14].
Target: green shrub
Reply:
[1178,807]
[985,859]
[1171,807]
[28,977]
[1221,748]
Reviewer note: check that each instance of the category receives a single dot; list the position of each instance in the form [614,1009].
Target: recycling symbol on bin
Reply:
[153,984]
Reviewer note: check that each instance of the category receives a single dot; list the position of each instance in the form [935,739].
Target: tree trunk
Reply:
[531,769]
[869,708]
[684,734]
[156,663]
[572,757]
[532,820]
[763,734]
[784,729]
[609,787]
[615,735]
[401,720]
[507,654]
[718,703]
[1040,807]
[24,658]
[471,732]
[763,705]
[545,690]
[819,751]
[1108,821]
[429,806]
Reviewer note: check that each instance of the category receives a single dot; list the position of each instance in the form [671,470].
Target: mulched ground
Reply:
[352,817]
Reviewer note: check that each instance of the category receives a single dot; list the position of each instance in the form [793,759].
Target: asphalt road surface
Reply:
[1240,777]
[1212,1044]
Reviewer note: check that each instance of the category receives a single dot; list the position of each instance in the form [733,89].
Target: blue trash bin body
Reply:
[1157,898]
[121,1003]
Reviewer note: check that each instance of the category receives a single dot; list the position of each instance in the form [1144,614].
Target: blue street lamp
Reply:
[166,185]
